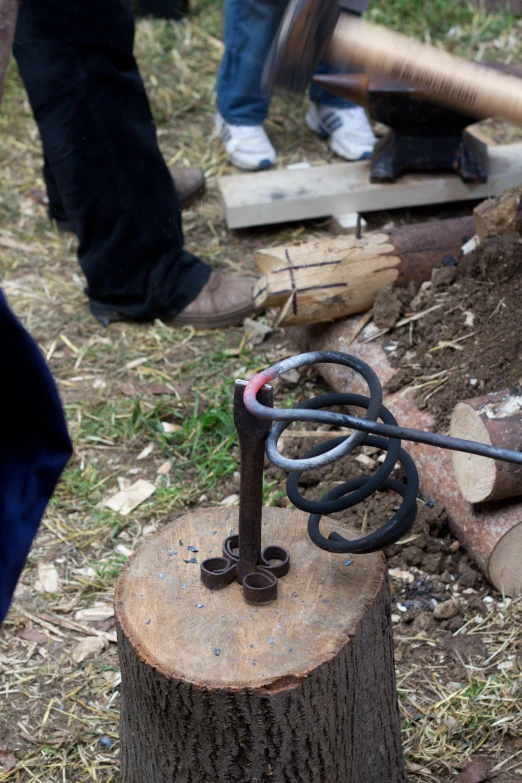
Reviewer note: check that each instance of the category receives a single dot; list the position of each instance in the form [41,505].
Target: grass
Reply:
[121,384]
[458,26]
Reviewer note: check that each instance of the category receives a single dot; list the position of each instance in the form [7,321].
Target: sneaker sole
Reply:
[261,165]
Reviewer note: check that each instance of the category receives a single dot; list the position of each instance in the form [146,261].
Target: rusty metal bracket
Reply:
[243,558]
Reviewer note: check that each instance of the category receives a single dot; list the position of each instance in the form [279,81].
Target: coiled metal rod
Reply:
[385,434]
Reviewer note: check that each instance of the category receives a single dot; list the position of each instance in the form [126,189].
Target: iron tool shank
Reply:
[252,433]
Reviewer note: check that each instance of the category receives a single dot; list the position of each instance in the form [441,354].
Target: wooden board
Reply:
[281,196]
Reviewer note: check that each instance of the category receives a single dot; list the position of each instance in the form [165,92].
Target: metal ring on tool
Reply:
[279,553]
[217,572]
[231,548]
[260,586]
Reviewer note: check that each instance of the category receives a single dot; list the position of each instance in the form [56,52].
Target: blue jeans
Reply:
[250,27]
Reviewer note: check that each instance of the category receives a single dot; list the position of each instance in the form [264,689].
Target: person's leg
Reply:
[55,208]
[76,61]
[250,26]
[343,122]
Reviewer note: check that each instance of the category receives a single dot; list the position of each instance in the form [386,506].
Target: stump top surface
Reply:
[178,625]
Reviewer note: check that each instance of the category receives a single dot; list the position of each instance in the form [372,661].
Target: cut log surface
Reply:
[216,690]
[496,420]
[329,278]
[491,533]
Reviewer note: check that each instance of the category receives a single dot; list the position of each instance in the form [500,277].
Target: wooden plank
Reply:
[282,196]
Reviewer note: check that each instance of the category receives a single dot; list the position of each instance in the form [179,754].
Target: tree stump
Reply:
[216,690]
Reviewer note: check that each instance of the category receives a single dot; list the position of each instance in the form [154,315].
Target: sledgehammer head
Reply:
[300,44]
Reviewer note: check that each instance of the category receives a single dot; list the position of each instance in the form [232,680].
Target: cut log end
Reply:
[504,564]
[216,689]
[475,475]
[495,419]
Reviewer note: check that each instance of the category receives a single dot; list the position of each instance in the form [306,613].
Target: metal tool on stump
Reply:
[243,558]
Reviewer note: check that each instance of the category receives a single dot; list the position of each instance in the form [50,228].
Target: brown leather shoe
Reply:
[189,182]
[226,300]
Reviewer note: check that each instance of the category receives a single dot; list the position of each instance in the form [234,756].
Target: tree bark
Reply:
[8,14]
[494,419]
[492,533]
[216,690]
[330,278]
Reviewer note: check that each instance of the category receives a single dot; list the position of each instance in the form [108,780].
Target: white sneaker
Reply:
[348,130]
[247,146]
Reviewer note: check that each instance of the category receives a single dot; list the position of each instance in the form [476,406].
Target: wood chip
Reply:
[168,427]
[91,647]
[147,451]
[164,468]
[230,500]
[48,579]
[401,576]
[95,614]
[127,500]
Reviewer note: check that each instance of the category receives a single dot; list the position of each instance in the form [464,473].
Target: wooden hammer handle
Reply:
[472,88]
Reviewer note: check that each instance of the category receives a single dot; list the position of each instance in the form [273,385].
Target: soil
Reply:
[429,565]
[469,342]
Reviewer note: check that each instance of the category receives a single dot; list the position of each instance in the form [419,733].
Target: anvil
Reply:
[422,135]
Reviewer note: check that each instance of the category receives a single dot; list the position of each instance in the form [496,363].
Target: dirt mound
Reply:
[466,339]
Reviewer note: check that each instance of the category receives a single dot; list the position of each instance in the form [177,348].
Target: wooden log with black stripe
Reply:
[330,278]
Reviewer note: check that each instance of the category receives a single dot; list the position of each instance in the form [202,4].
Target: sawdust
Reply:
[470,341]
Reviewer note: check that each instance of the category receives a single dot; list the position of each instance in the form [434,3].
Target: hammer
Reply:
[314,29]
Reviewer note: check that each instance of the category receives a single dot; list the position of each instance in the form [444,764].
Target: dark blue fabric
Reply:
[34,447]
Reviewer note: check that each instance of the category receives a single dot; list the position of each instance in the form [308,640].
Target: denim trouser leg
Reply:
[250,28]
[321,96]
[76,61]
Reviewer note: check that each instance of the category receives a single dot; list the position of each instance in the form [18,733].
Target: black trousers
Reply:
[103,167]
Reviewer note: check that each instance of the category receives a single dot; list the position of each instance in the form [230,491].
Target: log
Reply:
[8,14]
[499,215]
[494,419]
[330,278]
[214,690]
[492,533]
